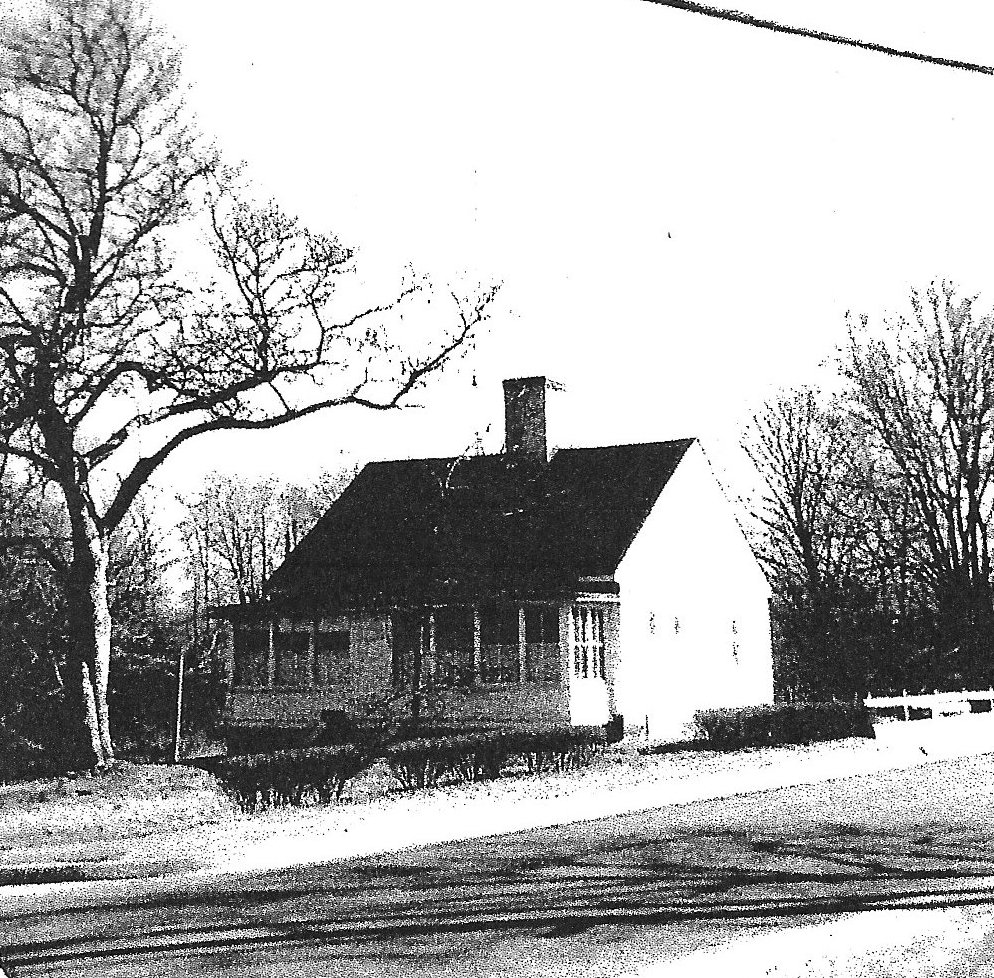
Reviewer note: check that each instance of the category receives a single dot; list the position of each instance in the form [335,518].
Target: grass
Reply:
[127,799]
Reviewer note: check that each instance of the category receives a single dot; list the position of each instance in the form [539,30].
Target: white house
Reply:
[576,586]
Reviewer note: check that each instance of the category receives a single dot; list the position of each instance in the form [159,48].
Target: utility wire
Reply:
[738,17]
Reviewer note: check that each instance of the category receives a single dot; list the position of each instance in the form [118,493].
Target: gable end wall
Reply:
[687,577]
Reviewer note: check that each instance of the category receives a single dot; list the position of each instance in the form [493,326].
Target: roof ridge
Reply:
[560,448]
[629,444]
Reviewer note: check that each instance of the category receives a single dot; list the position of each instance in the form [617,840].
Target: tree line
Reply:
[160,592]
[874,520]
[146,298]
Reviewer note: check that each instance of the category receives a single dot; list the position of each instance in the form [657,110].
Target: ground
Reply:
[139,822]
[87,819]
[127,799]
[786,880]
[708,866]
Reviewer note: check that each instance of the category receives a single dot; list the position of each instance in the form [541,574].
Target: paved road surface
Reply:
[595,898]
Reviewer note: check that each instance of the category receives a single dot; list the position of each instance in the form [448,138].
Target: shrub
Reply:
[246,739]
[335,727]
[560,748]
[288,777]
[888,712]
[426,761]
[142,701]
[295,777]
[614,729]
[783,723]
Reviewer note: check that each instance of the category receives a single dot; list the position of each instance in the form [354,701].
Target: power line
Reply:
[738,17]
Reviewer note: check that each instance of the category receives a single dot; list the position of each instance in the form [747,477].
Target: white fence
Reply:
[939,704]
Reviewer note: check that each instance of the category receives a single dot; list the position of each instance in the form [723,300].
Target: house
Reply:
[576,586]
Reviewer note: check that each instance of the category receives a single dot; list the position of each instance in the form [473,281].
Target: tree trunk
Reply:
[90,635]
[84,746]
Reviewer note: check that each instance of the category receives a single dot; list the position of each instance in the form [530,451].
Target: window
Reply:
[541,642]
[410,635]
[499,625]
[499,644]
[588,642]
[331,658]
[454,646]
[251,652]
[292,654]
[541,625]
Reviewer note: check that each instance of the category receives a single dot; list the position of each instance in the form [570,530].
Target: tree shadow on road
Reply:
[452,898]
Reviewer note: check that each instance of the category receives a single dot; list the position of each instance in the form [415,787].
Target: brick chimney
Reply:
[524,419]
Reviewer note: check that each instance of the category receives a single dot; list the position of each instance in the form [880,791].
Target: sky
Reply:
[680,211]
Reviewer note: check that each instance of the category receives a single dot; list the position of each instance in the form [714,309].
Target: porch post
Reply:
[430,657]
[271,657]
[311,650]
[477,655]
[522,646]
[570,633]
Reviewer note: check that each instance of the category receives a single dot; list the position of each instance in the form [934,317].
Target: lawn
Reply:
[129,799]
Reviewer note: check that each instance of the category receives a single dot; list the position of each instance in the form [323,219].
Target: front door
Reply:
[588,666]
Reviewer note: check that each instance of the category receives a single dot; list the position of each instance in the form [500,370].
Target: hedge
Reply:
[288,777]
[782,723]
[425,761]
[294,777]
[560,748]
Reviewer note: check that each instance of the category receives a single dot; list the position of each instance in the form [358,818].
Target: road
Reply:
[595,898]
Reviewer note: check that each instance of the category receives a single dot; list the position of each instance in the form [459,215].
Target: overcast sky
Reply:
[680,210]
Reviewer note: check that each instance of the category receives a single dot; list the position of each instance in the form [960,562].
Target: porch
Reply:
[521,662]
[518,662]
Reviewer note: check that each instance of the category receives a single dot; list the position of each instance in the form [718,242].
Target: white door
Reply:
[588,694]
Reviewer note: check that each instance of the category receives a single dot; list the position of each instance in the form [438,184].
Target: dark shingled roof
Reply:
[435,530]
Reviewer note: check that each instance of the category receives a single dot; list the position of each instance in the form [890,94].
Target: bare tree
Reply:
[237,531]
[108,361]
[924,395]
[812,536]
